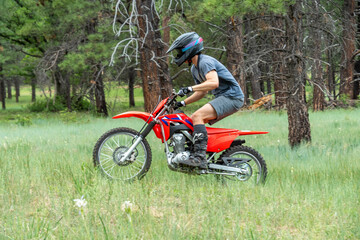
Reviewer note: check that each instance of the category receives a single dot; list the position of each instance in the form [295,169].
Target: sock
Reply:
[200,128]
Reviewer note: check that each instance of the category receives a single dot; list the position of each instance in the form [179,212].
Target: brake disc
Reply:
[118,154]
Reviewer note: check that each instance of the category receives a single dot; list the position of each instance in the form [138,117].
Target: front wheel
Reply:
[251,163]
[111,146]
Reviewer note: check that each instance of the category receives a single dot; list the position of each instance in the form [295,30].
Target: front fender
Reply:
[142,115]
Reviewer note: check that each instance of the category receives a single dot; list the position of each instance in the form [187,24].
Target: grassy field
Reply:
[312,192]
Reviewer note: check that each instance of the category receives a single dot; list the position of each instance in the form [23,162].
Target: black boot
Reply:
[198,157]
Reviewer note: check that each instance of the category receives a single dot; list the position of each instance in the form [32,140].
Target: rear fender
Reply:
[220,139]
[143,116]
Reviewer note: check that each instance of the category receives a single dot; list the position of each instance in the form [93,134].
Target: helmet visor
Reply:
[179,53]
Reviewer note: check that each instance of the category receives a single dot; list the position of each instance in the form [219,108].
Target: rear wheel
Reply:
[251,163]
[111,146]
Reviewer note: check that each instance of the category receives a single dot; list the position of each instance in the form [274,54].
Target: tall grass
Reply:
[312,192]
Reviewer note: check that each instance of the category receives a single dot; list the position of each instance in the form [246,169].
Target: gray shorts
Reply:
[225,106]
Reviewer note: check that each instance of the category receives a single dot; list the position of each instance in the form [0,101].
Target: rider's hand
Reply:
[184,90]
[179,104]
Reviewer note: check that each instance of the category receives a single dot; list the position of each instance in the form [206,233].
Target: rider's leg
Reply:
[204,115]
[200,117]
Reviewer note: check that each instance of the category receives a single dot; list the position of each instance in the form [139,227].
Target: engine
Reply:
[179,142]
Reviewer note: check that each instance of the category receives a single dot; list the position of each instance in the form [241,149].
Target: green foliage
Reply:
[69,117]
[23,120]
[344,99]
[81,104]
[48,105]
[222,9]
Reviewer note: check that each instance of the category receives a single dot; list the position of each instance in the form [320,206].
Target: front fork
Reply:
[139,138]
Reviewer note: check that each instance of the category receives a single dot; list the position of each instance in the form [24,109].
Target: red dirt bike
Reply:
[125,154]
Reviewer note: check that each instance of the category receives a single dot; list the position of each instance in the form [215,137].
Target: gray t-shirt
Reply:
[228,86]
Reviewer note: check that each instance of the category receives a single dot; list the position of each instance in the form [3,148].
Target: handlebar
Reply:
[173,97]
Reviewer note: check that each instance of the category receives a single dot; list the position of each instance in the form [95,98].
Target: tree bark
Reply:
[100,93]
[9,92]
[255,82]
[17,89]
[235,52]
[131,86]
[155,75]
[278,66]
[347,65]
[330,72]
[357,63]
[298,117]
[317,76]
[62,88]
[33,89]
[253,73]
[162,46]
[68,92]
[357,78]
[2,89]
[2,93]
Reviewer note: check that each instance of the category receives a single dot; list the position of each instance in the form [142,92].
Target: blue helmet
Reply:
[187,46]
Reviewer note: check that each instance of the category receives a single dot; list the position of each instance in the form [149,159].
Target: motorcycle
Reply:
[125,154]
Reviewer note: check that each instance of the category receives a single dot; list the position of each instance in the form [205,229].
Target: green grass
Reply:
[312,192]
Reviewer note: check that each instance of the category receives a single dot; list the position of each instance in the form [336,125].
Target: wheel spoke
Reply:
[250,164]
[111,149]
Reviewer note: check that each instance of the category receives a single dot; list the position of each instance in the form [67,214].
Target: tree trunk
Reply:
[67,91]
[131,86]
[155,75]
[2,93]
[356,78]
[357,63]
[255,82]
[17,89]
[235,52]
[278,66]
[33,89]
[347,65]
[100,93]
[2,88]
[268,86]
[166,85]
[317,78]
[330,72]
[9,92]
[298,117]
[254,72]
[264,68]
[63,88]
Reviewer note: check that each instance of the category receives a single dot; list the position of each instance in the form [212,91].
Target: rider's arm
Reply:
[212,82]
[195,97]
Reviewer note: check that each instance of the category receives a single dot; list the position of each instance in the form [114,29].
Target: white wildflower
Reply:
[80,203]
[128,207]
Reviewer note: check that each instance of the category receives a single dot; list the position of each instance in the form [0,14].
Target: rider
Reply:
[209,75]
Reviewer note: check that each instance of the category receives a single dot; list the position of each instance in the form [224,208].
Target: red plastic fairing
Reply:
[160,106]
[142,115]
[221,138]
[166,121]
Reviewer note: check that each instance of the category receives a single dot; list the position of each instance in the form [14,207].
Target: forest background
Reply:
[302,53]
